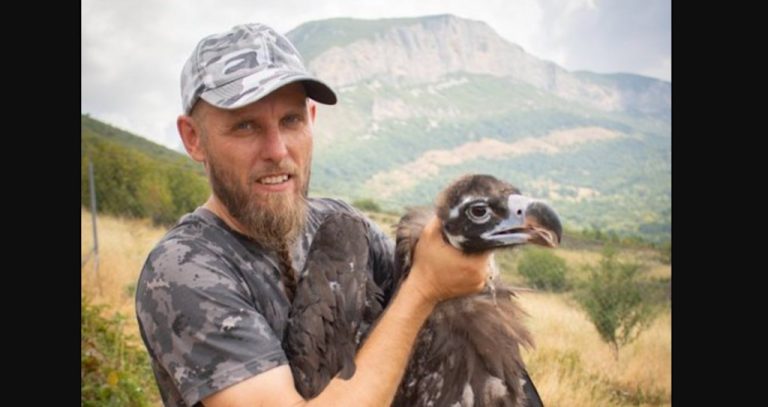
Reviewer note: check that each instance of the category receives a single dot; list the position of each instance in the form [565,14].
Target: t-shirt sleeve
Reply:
[199,322]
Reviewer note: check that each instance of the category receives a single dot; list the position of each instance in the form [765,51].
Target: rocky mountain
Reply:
[423,100]
[421,50]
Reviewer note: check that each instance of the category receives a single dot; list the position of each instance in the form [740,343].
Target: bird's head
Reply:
[480,213]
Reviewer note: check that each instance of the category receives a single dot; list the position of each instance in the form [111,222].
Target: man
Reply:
[214,294]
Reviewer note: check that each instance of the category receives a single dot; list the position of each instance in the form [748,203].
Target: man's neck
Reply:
[215,206]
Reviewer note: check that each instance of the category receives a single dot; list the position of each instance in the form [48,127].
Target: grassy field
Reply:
[570,365]
[123,246]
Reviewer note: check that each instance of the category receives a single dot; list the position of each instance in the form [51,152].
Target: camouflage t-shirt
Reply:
[211,307]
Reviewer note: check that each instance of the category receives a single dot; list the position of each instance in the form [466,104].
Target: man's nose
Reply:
[274,147]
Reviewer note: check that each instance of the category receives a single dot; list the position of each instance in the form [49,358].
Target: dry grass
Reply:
[123,247]
[571,366]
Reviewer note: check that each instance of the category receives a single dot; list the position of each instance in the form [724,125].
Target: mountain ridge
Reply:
[443,44]
[411,88]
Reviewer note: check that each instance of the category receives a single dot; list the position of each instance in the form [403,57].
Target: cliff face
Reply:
[424,50]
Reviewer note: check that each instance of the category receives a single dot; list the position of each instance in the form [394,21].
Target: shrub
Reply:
[615,301]
[543,269]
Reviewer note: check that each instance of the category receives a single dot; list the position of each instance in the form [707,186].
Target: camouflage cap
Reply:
[234,68]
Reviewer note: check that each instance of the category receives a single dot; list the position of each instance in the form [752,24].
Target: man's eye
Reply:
[292,120]
[243,126]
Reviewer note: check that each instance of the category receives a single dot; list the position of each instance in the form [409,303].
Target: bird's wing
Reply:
[468,354]
[336,302]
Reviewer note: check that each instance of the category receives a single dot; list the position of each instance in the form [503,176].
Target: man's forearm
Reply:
[382,360]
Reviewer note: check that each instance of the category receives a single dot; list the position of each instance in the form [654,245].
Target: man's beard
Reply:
[274,220]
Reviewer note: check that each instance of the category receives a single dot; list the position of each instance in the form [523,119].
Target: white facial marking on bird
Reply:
[456,241]
[455,211]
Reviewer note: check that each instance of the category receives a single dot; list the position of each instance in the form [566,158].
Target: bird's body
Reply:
[468,351]
[459,360]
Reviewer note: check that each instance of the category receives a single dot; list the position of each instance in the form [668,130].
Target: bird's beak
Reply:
[529,221]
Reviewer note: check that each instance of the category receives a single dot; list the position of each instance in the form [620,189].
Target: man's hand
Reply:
[441,271]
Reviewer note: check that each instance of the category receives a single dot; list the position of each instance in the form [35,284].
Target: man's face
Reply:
[258,159]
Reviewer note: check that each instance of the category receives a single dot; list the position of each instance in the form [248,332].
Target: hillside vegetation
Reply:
[402,130]
[136,178]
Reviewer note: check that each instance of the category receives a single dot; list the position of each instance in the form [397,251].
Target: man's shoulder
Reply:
[197,234]
[198,253]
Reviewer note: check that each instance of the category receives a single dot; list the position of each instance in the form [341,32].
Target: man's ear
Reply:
[312,110]
[191,137]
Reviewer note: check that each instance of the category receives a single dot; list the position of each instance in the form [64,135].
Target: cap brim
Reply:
[252,88]
[319,91]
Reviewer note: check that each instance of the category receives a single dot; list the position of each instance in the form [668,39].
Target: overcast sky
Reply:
[133,50]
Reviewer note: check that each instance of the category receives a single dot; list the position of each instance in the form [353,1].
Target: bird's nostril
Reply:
[519,211]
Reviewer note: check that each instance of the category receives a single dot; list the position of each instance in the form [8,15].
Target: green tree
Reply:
[155,196]
[130,183]
[543,269]
[615,301]
[118,174]
[188,190]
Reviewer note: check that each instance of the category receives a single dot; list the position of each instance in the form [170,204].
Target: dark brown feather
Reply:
[336,302]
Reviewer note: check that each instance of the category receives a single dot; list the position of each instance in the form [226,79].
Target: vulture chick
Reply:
[468,352]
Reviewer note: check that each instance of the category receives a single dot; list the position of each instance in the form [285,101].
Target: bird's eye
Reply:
[479,213]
